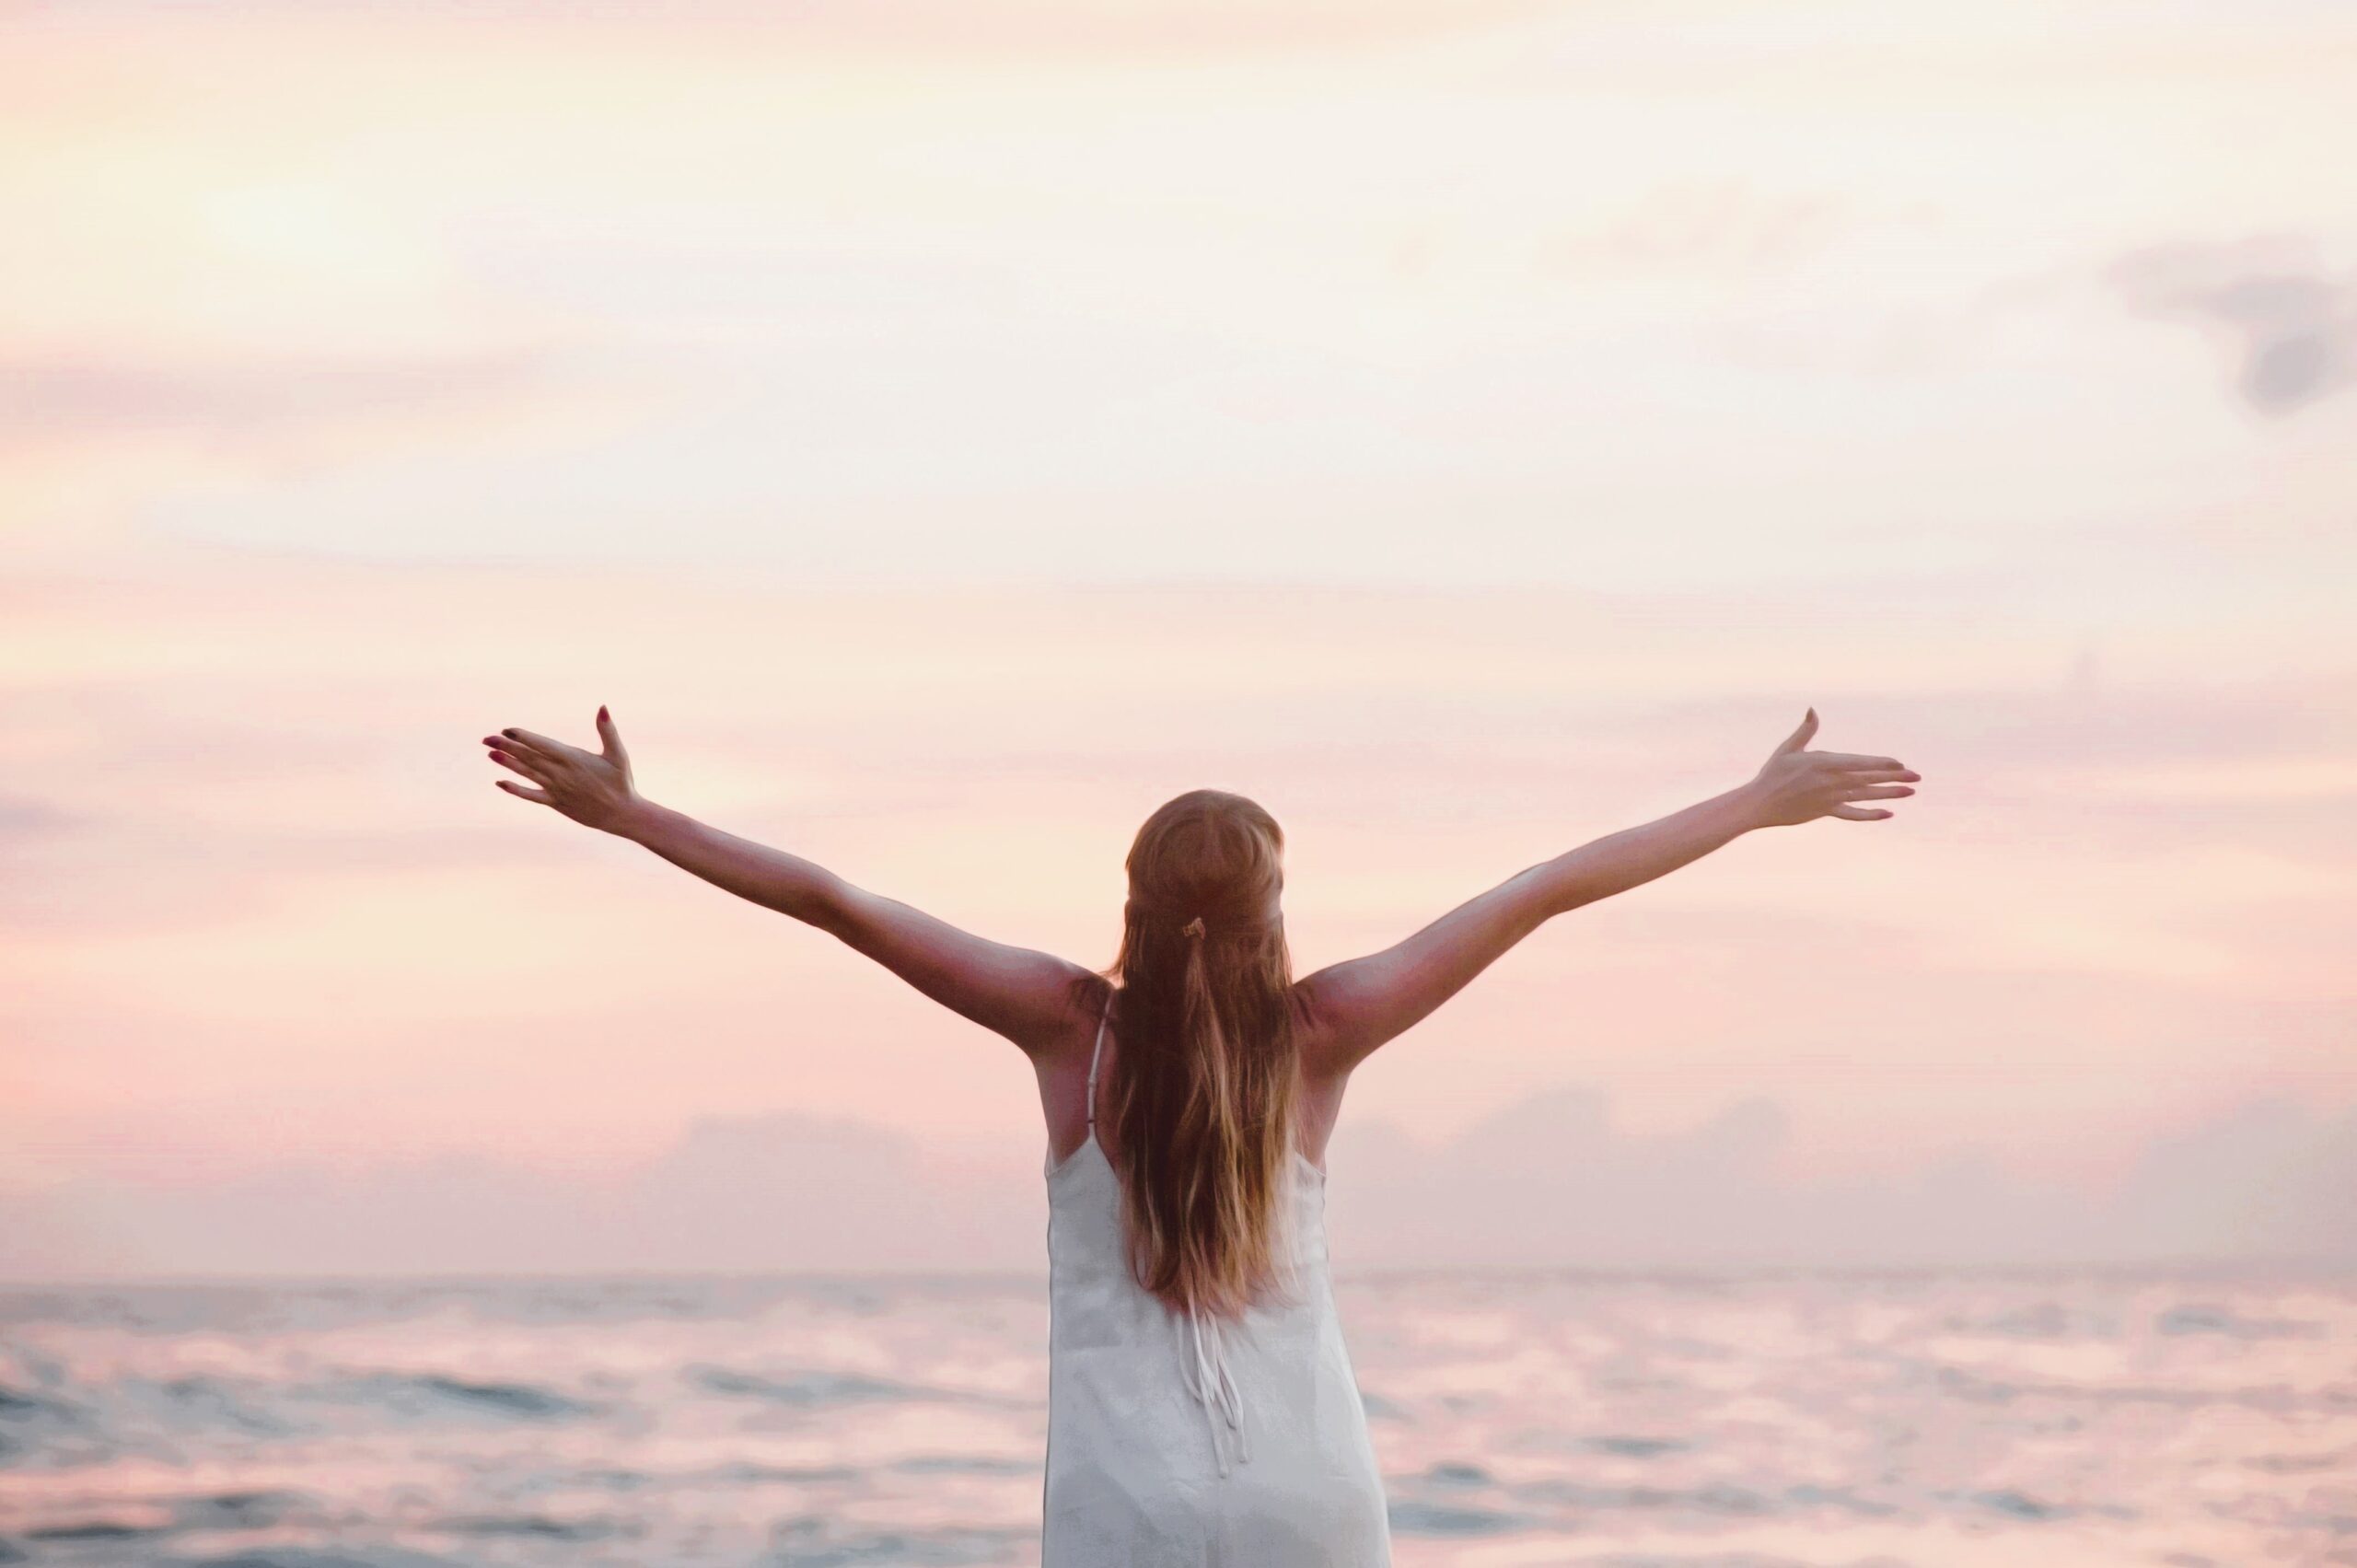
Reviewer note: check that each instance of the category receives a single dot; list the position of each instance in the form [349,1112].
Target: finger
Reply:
[1875,792]
[1880,775]
[525,792]
[1858,813]
[1799,738]
[611,739]
[513,746]
[518,747]
[1854,759]
[531,768]
[540,743]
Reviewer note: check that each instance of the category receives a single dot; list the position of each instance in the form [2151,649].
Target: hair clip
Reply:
[1194,927]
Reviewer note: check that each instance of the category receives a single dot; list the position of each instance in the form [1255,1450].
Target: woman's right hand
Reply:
[594,788]
[1794,786]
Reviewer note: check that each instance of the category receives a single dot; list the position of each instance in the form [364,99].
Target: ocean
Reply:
[1623,1422]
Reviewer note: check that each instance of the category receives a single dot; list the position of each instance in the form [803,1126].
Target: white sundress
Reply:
[1179,1441]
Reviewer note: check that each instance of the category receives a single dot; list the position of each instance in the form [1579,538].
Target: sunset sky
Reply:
[942,434]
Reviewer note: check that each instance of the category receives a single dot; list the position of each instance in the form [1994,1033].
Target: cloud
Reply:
[1026,31]
[2291,322]
[78,396]
[1549,1182]
[21,819]
[785,1192]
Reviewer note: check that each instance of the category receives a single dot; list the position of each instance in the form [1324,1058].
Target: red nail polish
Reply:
[601,713]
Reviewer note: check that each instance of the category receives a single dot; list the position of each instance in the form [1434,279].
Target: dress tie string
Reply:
[1214,1387]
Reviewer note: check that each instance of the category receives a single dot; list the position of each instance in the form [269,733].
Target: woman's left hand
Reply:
[1797,785]
[594,788]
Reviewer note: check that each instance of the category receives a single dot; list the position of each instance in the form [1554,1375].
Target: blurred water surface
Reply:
[1634,1423]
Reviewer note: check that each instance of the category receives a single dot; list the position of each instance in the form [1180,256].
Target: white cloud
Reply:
[1546,1183]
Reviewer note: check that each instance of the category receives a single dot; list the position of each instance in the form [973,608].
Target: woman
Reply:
[1202,1406]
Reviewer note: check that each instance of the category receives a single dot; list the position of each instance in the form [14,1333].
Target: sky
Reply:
[1468,429]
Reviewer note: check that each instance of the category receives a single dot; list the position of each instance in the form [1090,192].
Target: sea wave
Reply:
[670,1423]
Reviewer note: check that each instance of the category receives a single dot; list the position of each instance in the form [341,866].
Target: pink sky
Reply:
[1466,433]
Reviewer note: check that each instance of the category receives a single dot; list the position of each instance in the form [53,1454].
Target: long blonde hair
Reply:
[1206,1097]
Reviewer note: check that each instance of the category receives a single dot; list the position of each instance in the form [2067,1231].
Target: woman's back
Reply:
[1175,1439]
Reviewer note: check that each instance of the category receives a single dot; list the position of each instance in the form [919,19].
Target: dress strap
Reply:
[1095,1051]
[1209,1379]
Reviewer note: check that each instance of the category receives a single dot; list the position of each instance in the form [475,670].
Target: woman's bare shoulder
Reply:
[1089,999]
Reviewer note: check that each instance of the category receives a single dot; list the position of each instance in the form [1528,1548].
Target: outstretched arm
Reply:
[1358,1005]
[1017,992]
